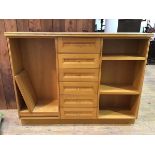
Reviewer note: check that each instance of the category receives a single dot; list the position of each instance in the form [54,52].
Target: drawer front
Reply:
[72,101]
[78,74]
[79,88]
[78,45]
[79,60]
[78,113]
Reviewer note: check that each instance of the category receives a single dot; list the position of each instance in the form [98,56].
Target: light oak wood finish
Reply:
[33,56]
[55,120]
[39,60]
[75,101]
[26,90]
[16,66]
[79,60]
[122,73]
[78,88]
[79,34]
[70,74]
[78,113]
[115,102]
[118,114]
[25,25]
[79,45]
[43,108]
[122,57]
[80,76]
[118,104]
[145,124]
[112,89]
[135,47]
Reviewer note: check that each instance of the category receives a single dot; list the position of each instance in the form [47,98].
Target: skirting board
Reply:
[48,120]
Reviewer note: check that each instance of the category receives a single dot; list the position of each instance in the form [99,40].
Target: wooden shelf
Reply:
[109,89]
[43,108]
[122,57]
[115,114]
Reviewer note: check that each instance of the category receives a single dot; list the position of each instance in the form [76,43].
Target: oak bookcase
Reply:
[78,77]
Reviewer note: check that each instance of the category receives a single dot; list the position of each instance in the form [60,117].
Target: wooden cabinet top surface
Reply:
[78,34]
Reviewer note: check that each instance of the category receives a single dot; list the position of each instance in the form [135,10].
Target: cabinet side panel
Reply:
[141,79]
[16,66]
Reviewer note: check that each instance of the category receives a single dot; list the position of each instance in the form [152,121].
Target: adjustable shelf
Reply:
[43,108]
[115,114]
[122,76]
[110,89]
[118,106]
[122,69]
[122,57]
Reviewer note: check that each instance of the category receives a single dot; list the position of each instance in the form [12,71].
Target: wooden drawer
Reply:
[72,101]
[79,88]
[68,74]
[78,45]
[78,113]
[79,60]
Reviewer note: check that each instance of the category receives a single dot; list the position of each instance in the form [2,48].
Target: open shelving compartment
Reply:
[120,88]
[124,49]
[118,106]
[35,76]
[122,70]
[121,77]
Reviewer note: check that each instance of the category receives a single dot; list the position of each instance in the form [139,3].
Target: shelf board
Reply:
[122,57]
[115,114]
[43,108]
[109,89]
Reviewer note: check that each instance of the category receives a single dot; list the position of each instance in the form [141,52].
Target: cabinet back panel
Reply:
[39,60]
[117,72]
[122,102]
[125,46]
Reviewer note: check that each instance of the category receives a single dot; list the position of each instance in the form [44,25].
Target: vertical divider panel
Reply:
[57,70]
[100,70]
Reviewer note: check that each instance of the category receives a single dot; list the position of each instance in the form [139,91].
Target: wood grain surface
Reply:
[7,97]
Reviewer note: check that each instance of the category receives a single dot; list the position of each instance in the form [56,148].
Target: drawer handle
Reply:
[78,75]
[79,114]
[79,60]
[78,43]
[78,88]
[82,101]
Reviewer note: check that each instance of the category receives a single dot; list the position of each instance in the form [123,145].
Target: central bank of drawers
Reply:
[78,77]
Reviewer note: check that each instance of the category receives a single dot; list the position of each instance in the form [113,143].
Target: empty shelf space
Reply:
[121,76]
[126,47]
[110,89]
[118,106]
[115,114]
[122,57]
[43,108]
